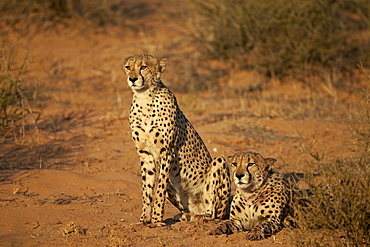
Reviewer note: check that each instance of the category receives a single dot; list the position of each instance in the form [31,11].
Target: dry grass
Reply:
[23,14]
[360,122]
[16,113]
[338,213]
[72,227]
[283,38]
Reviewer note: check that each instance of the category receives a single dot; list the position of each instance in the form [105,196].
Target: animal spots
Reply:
[166,140]
[261,200]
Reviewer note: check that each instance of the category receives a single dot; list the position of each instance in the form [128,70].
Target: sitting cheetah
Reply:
[261,198]
[174,159]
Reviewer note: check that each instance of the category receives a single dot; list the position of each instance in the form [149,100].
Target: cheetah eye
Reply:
[234,163]
[250,164]
[143,67]
[128,67]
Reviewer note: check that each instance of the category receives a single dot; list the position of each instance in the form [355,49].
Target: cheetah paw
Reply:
[182,217]
[216,231]
[192,217]
[156,224]
[255,235]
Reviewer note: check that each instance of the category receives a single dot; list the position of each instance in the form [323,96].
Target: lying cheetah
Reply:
[261,198]
[174,159]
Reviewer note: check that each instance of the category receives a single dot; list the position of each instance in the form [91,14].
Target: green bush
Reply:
[280,37]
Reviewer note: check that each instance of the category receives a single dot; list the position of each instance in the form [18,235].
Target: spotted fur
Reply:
[261,200]
[174,160]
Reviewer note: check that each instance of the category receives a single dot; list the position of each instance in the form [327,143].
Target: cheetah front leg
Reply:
[264,230]
[148,171]
[226,227]
[160,193]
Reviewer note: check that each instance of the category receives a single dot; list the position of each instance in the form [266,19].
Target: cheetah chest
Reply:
[149,130]
[147,138]
[245,211]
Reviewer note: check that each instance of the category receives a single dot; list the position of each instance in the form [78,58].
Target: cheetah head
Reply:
[250,170]
[143,71]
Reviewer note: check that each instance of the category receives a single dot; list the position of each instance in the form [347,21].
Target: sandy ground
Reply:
[74,180]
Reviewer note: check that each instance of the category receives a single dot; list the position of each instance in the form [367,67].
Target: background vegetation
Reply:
[21,14]
[283,38]
[338,213]
[14,107]
[276,38]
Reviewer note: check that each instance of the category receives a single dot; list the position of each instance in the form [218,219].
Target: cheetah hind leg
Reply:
[216,195]
[217,192]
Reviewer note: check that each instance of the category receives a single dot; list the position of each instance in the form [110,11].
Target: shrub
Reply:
[38,11]
[339,211]
[280,37]
[11,92]
[15,110]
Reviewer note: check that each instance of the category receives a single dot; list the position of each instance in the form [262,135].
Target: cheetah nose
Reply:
[239,176]
[133,79]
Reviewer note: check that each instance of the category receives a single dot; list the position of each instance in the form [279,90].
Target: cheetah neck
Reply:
[142,97]
[254,187]
[251,187]
[245,192]
[147,94]
[148,91]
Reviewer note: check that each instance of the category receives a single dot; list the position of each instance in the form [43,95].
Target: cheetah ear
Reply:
[127,58]
[270,162]
[229,158]
[162,64]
